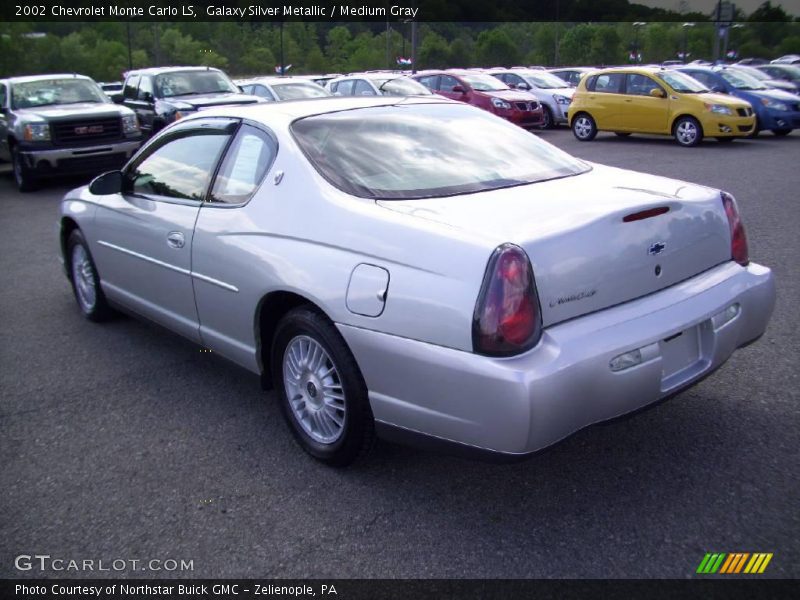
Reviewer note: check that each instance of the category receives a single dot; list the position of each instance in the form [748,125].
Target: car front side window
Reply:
[181,168]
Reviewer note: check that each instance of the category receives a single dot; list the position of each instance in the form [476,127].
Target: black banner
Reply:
[394,589]
[335,11]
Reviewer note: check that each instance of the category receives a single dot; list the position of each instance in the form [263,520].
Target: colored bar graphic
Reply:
[733,563]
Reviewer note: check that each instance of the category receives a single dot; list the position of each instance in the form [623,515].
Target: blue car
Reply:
[776,110]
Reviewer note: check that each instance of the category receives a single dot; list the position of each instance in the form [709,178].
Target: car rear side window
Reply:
[362,88]
[608,83]
[250,156]
[181,168]
[131,85]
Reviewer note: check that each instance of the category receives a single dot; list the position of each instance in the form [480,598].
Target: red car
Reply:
[486,92]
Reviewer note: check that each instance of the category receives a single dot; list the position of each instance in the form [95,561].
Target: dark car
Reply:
[486,92]
[776,110]
[161,95]
[572,75]
[57,124]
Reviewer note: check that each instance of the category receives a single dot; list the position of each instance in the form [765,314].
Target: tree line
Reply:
[105,50]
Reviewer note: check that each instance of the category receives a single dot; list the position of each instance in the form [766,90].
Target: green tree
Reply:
[434,52]
[495,47]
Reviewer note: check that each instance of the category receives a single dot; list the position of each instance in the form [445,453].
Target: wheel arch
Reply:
[68,225]
[680,116]
[582,111]
[269,311]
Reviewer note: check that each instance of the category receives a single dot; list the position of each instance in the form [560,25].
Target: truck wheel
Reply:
[25,181]
[320,388]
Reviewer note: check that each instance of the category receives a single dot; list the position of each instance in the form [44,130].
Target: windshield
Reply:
[741,81]
[48,92]
[483,83]
[794,72]
[297,90]
[680,82]
[181,83]
[545,80]
[426,150]
[402,86]
[760,75]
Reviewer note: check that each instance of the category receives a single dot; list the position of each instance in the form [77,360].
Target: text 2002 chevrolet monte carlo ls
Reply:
[419,269]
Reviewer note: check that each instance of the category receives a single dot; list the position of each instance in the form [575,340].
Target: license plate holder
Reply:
[680,355]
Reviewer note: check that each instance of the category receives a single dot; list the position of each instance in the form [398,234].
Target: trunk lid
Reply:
[585,255]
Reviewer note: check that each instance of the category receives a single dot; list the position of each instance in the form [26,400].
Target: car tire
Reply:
[725,140]
[85,281]
[622,133]
[320,388]
[687,132]
[547,117]
[584,128]
[781,132]
[756,130]
[25,181]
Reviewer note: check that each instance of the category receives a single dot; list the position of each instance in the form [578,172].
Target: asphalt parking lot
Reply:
[123,441]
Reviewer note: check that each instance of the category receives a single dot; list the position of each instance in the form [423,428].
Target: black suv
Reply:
[161,95]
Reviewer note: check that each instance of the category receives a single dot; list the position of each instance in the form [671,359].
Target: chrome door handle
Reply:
[175,239]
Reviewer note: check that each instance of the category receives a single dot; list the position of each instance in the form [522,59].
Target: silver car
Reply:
[418,269]
[553,93]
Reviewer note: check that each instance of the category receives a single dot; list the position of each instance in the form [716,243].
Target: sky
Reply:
[706,6]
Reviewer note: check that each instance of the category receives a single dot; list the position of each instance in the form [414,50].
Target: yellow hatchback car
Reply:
[630,100]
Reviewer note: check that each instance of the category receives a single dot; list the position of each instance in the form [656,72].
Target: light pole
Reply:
[636,26]
[725,40]
[686,27]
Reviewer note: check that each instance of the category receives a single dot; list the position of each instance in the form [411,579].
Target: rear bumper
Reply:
[519,405]
[91,159]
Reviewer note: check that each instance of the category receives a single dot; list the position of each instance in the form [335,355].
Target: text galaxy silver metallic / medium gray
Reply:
[420,269]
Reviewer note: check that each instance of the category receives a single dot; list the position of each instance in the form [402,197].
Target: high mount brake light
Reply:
[507,317]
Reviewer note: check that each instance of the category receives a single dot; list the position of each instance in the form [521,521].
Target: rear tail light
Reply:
[507,317]
[739,250]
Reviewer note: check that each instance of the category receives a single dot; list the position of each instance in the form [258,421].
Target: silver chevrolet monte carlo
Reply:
[418,269]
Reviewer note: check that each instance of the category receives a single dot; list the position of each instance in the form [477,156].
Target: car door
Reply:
[4,114]
[146,103]
[363,88]
[446,85]
[142,237]
[606,101]
[227,279]
[643,112]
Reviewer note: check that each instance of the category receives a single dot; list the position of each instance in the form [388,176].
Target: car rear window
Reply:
[426,150]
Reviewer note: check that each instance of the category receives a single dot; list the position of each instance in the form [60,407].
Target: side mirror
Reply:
[107,183]
[716,88]
[657,93]
[458,89]
[117,99]
[147,97]
[523,86]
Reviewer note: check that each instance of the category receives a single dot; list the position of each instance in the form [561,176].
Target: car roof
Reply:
[29,78]
[159,70]
[288,111]
[274,79]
